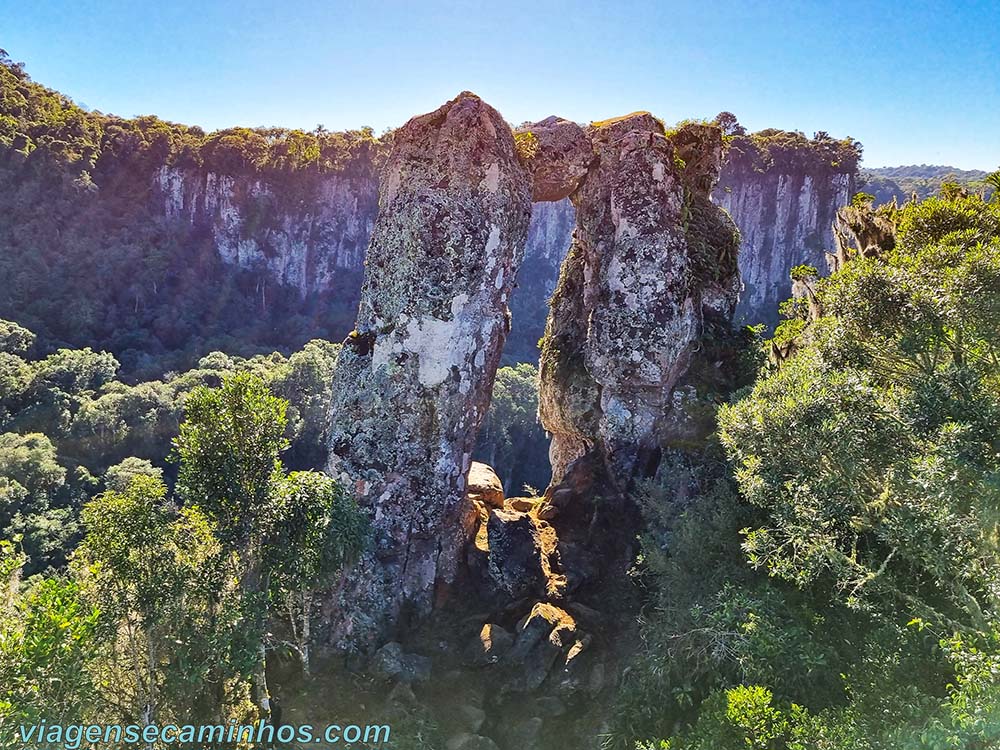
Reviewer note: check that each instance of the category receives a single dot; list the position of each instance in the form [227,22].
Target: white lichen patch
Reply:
[492,180]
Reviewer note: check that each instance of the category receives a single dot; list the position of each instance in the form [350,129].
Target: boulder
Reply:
[550,705]
[470,717]
[492,643]
[522,504]
[524,734]
[392,663]
[558,156]
[484,486]
[515,553]
[546,633]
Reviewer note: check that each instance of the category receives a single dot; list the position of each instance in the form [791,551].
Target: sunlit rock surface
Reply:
[784,204]
[413,381]
[559,155]
[651,256]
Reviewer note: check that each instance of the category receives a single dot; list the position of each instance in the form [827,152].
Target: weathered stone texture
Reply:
[560,157]
[306,231]
[413,381]
[649,256]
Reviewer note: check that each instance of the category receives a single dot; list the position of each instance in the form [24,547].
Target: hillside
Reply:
[923,180]
[159,242]
[99,248]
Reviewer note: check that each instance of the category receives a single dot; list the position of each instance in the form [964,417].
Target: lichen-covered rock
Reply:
[558,154]
[860,232]
[413,381]
[651,257]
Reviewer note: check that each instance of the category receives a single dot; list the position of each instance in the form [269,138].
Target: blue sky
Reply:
[915,81]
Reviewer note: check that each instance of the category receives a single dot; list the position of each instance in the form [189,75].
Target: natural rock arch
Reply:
[413,380]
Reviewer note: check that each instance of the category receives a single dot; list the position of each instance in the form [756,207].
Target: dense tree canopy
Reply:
[854,538]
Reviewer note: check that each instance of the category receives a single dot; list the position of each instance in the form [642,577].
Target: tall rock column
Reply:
[413,380]
[650,258]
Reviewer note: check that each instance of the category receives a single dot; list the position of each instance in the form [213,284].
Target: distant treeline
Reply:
[923,180]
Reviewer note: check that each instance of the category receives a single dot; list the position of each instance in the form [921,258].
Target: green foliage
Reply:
[34,501]
[803,273]
[861,612]
[526,144]
[165,608]
[68,421]
[712,237]
[119,477]
[14,339]
[511,440]
[229,450]
[168,628]
[793,152]
[728,124]
[284,534]
[47,633]
[993,181]
[88,257]
[923,181]
[321,532]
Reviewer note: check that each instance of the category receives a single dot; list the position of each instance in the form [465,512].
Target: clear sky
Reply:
[915,81]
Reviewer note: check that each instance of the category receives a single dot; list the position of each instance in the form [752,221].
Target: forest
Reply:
[818,569]
[831,581]
[88,261]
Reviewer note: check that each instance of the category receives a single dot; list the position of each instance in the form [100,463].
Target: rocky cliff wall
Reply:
[781,189]
[302,233]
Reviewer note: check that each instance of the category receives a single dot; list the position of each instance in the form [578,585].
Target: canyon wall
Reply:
[781,189]
[783,192]
[303,235]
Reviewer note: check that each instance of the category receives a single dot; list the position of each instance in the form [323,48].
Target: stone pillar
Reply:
[650,257]
[413,381]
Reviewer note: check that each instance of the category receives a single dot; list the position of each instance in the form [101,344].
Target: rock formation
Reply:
[783,203]
[307,231]
[559,155]
[650,257]
[313,236]
[413,381]
[783,191]
[861,231]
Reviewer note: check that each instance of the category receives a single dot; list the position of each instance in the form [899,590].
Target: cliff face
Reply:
[301,234]
[307,241]
[781,189]
[254,239]
[783,192]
